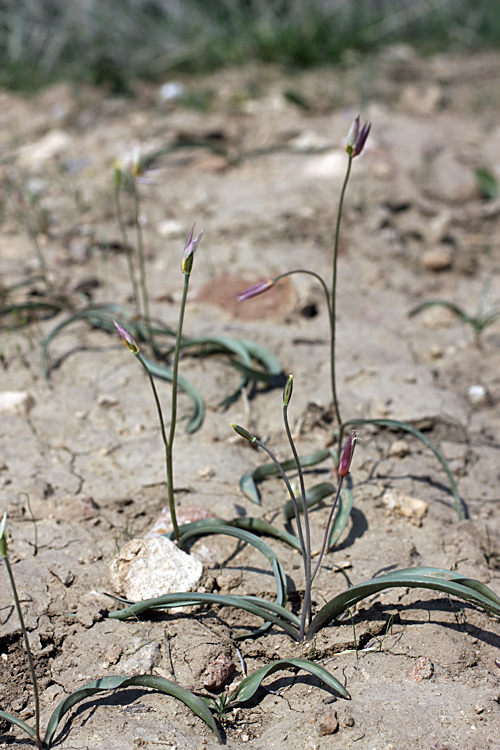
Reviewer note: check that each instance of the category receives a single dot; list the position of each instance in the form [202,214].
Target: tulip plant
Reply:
[355,144]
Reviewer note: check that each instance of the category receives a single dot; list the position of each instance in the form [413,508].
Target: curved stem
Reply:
[28,652]
[334,293]
[309,273]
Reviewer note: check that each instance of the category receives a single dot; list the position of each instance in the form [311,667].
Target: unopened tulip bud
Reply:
[127,338]
[189,251]
[243,433]
[256,289]
[356,137]
[345,461]
[352,135]
[3,536]
[287,393]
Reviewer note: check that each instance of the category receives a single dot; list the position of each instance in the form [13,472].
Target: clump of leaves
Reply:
[307,624]
[115,682]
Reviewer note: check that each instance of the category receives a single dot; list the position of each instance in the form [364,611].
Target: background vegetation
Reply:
[112,41]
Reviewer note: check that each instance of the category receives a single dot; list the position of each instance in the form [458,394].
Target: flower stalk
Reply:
[133,347]
[5,555]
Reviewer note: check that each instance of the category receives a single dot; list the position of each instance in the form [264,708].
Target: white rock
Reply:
[477,394]
[405,505]
[327,166]
[171,90]
[145,569]
[53,144]
[170,228]
[17,403]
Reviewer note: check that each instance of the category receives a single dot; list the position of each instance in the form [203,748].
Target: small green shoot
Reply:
[478,321]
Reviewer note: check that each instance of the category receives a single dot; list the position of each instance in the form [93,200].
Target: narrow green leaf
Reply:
[460,507]
[248,482]
[455,309]
[430,578]
[342,513]
[284,620]
[314,495]
[215,526]
[99,314]
[114,682]
[487,183]
[259,526]
[249,686]
[162,372]
[18,723]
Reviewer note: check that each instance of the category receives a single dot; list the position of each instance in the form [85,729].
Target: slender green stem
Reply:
[175,379]
[127,248]
[168,451]
[28,652]
[290,492]
[316,276]
[327,531]
[25,219]
[306,608]
[334,294]
[140,252]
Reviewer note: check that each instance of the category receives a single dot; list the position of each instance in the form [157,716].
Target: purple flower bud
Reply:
[127,338]
[189,251]
[345,461]
[356,137]
[254,290]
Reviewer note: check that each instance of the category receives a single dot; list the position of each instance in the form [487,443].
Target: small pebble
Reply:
[477,394]
[217,674]
[328,724]
[423,669]
[438,259]
[399,449]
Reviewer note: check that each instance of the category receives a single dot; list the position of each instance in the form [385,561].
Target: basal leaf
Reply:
[342,513]
[460,507]
[248,482]
[314,495]
[114,682]
[18,723]
[249,686]
[430,578]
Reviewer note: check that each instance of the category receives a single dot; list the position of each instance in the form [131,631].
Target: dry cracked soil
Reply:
[256,157]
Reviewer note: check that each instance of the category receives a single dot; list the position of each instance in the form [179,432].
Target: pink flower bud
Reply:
[254,290]
[345,461]
[189,251]
[127,338]
[356,137]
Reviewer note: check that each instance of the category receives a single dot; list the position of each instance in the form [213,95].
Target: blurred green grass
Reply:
[111,42]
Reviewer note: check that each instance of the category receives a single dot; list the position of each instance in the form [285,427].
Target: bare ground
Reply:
[263,182]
